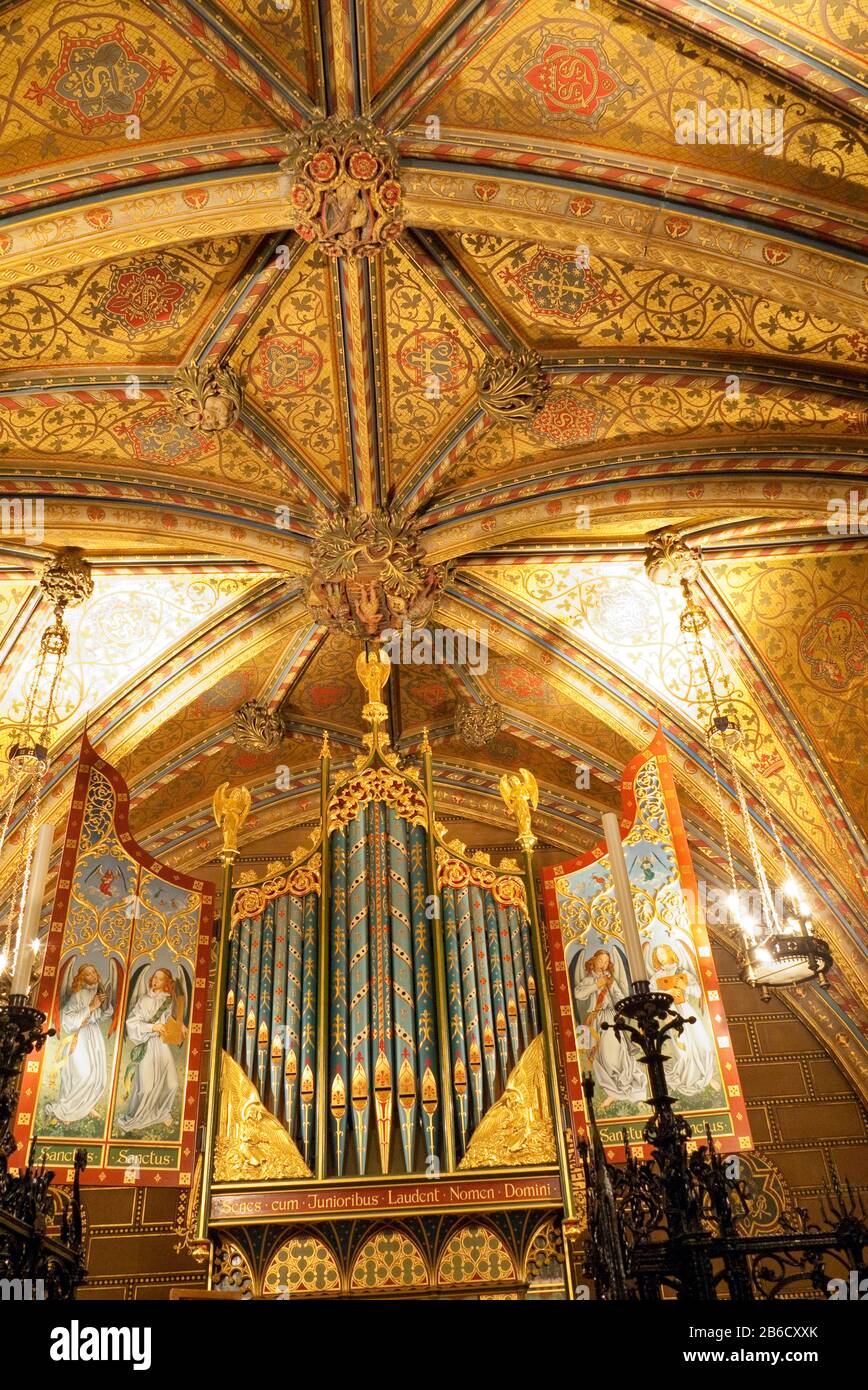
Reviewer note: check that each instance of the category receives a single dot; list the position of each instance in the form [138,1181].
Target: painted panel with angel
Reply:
[126,963]
[591,973]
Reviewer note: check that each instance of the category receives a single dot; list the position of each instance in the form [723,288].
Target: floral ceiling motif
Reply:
[74,74]
[561,298]
[145,308]
[615,82]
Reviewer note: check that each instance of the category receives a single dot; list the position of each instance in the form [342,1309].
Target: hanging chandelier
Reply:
[778,944]
[65,580]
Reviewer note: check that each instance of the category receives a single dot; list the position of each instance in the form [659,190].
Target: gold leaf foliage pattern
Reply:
[558,298]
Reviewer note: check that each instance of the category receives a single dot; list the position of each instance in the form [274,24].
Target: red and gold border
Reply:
[348,1201]
[740,1137]
[53,1151]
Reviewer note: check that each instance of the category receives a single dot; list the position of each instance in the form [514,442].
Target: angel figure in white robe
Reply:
[156,1028]
[600,983]
[82,1056]
[690,1063]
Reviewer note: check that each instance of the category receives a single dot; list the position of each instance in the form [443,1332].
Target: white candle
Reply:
[624,899]
[32,910]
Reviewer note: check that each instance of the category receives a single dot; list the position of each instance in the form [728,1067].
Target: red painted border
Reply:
[90,761]
[740,1138]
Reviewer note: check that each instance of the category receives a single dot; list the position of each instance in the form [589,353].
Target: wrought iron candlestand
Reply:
[670,1225]
[37,1264]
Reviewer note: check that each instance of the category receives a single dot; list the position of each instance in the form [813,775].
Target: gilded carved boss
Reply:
[344,188]
[369,572]
[513,387]
[256,727]
[207,397]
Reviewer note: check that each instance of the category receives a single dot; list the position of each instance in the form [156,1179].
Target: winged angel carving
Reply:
[231,808]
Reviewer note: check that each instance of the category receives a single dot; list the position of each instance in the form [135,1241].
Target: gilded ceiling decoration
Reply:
[558,297]
[285,35]
[109,428]
[577,329]
[513,387]
[612,80]
[81,79]
[809,622]
[207,397]
[290,361]
[140,309]
[369,573]
[126,624]
[343,188]
[431,357]
[617,407]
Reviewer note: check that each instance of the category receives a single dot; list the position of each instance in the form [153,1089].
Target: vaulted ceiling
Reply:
[699,308]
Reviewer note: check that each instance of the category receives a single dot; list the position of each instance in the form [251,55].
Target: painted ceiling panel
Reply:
[431,361]
[140,310]
[614,81]
[396,29]
[808,620]
[122,631]
[87,80]
[589,411]
[328,689]
[283,31]
[839,23]
[105,427]
[289,358]
[565,299]
[206,718]
[611,610]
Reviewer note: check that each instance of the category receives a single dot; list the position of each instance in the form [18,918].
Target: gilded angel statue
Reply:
[521,795]
[231,808]
[372,669]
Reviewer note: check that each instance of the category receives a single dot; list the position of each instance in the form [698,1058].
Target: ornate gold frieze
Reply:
[295,883]
[453,873]
[344,189]
[377,784]
[517,1131]
[252,1146]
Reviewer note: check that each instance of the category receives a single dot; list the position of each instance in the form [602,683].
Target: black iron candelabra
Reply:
[671,1225]
[31,1258]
